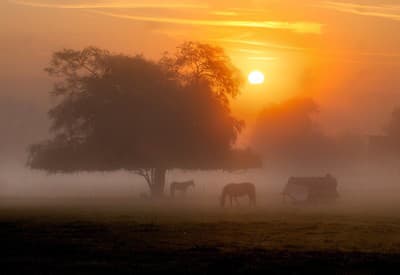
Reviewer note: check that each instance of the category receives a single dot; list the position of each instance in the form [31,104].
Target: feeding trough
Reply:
[307,190]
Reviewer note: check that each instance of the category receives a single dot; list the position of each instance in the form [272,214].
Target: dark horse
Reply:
[180,186]
[235,190]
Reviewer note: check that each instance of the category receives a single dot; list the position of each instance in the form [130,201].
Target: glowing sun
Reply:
[256,78]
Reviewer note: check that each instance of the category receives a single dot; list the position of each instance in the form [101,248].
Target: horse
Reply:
[235,190]
[181,186]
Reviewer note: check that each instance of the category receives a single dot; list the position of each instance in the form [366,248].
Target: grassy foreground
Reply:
[88,237]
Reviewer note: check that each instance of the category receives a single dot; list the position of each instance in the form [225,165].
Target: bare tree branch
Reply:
[146,173]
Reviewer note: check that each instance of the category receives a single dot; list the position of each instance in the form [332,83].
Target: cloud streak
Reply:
[261,44]
[262,58]
[100,8]
[224,13]
[383,11]
[109,5]
[299,27]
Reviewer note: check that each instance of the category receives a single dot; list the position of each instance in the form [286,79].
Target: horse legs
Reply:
[230,199]
[236,200]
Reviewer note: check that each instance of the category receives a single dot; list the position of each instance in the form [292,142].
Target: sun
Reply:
[256,78]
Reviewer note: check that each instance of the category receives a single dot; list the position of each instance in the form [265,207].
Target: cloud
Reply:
[384,11]
[224,13]
[262,58]
[338,55]
[99,8]
[109,5]
[299,27]
[261,44]
[250,51]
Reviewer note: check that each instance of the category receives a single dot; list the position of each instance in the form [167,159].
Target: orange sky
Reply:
[346,54]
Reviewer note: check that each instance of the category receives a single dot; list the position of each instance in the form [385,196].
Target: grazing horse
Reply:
[235,190]
[181,186]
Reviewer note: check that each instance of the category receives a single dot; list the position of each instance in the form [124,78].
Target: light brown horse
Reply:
[235,190]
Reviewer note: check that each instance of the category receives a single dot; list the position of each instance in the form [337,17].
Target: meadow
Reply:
[125,235]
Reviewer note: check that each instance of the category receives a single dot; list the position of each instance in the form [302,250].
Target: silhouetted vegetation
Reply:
[392,129]
[288,136]
[116,111]
[384,149]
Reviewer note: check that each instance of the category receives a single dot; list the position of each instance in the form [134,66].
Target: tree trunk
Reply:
[158,182]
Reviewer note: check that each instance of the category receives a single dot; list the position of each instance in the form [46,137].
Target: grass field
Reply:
[80,236]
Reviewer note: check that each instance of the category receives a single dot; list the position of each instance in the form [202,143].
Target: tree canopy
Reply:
[195,63]
[115,111]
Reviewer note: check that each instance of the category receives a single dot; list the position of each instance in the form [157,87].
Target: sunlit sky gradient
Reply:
[345,54]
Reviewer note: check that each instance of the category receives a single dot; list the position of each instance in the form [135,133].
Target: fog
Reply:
[133,139]
[344,117]
[365,181]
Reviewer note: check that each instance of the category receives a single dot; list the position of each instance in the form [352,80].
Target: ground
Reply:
[81,236]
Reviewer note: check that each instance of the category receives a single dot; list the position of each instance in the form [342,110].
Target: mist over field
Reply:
[201,137]
[363,179]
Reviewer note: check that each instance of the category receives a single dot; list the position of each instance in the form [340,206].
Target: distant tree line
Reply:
[288,137]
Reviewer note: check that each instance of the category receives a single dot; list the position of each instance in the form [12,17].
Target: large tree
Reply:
[115,111]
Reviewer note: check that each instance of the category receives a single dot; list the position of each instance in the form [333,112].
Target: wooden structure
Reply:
[307,190]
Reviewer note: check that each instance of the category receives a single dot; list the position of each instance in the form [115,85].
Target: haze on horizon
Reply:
[343,54]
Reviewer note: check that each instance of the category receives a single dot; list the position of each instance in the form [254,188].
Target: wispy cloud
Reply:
[338,54]
[262,58]
[260,44]
[384,11]
[300,27]
[109,5]
[224,13]
[257,55]
[249,51]
[99,8]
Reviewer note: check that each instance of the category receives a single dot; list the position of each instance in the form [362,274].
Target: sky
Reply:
[344,54]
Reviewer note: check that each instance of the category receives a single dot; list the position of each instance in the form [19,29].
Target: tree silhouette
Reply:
[125,112]
[286,133]
[392,129]
[288,136]
[389,145]
[195,63]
